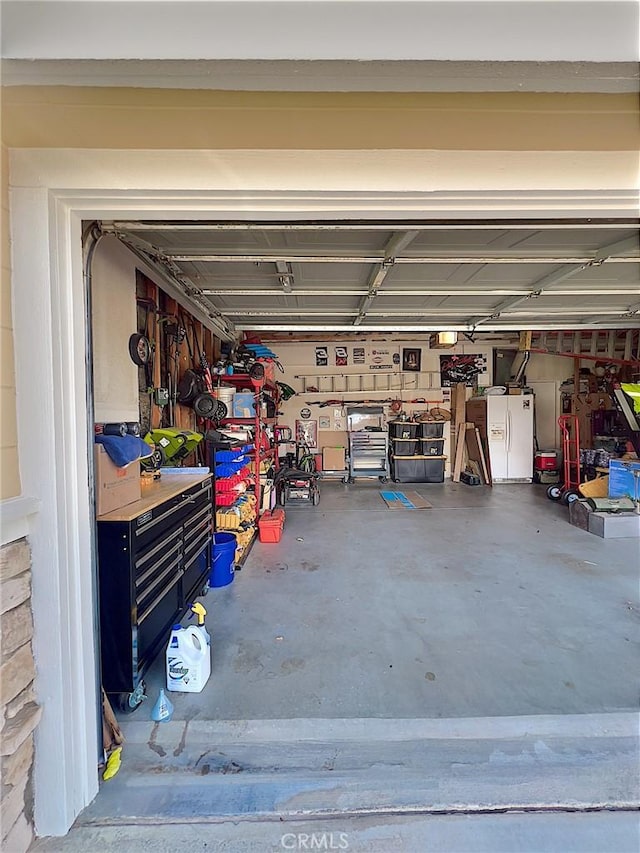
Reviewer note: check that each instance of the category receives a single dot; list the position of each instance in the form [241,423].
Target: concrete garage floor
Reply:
[489,604]
[460,679]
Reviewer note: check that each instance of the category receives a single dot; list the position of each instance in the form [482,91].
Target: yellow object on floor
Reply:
[113,764]
[598,488]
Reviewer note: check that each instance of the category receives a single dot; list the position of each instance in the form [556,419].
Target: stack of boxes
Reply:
[417,451]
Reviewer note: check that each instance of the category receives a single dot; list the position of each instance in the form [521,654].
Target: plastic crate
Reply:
[434,470]
[403,429]
[226,498]
[431,429]
[432,446]
[418,470]
[405,447]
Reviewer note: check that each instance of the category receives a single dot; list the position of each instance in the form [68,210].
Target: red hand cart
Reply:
[567,492]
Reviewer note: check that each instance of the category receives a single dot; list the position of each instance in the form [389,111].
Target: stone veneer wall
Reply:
[20,712]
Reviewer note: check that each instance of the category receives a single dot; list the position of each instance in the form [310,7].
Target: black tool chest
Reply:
[154,559]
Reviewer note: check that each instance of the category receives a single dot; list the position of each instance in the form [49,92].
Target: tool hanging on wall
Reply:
[205,404]
[142,347]
[190,384]
[174,335]
[391,401]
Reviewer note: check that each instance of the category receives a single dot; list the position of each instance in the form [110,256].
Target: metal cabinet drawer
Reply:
[195,522]
[151,631]
[196,571]
[149,560]
[153,591]
[172,512]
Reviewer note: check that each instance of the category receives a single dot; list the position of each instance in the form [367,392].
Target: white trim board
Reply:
[51,193]
[15,518]
[424,183]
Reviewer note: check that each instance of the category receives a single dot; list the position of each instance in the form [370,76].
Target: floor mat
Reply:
[404,500]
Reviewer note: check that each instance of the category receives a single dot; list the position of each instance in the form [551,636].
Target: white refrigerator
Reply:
[510,437]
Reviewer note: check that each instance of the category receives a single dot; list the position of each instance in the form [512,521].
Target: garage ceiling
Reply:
[409,276]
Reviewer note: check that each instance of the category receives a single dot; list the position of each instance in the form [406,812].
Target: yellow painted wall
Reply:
[9,472]
[86,117]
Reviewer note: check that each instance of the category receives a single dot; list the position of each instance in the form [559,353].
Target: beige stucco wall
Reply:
[9,472]
[87,117]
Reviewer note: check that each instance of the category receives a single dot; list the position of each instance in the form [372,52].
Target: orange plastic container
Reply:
[271,525]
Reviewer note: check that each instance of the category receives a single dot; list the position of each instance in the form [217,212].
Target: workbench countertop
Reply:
[155,492]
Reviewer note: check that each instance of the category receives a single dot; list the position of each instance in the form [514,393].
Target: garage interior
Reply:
[486,603]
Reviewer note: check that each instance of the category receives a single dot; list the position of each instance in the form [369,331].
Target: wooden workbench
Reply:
[155,492]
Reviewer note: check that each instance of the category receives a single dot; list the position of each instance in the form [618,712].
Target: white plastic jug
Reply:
[188,660]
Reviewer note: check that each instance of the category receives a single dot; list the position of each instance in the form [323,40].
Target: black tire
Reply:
[351,481]
[205,406]
[345,480]
[554,492]
[395,480]
[139,349]
[569,496]
[128,702]
[383,479]
[315,498]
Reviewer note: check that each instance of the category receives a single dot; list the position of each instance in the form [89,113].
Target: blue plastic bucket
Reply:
[224,553]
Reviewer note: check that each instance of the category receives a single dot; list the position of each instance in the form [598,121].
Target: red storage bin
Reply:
[271,525]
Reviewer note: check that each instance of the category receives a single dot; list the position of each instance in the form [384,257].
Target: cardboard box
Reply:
[621,478]
[333,458]
[476,413]
[115,487]
[244,404]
